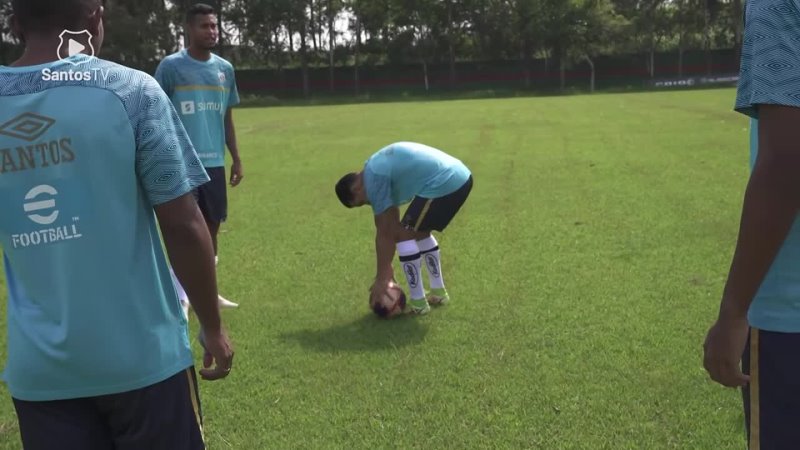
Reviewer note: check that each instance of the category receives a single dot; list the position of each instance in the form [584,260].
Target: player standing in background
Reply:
[759,316]
[437,185]
[202,86]
[98,352]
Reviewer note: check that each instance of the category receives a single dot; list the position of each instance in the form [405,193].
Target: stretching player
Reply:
[437,185]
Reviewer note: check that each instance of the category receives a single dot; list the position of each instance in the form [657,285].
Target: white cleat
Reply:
[226,304]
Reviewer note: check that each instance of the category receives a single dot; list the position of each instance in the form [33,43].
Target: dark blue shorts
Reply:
[212,197]
[772,398]
[429,214]
[164,416]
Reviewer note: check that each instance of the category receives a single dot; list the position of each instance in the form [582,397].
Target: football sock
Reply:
[429,249]
[411,262]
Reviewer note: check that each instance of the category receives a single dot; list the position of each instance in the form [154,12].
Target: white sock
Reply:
[178,288]
[411,262]
[216,260]
[429,249]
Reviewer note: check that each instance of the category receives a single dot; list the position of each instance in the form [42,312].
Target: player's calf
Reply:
[411,263]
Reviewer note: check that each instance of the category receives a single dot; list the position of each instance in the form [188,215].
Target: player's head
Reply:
[48,18]
[202,27]
[350,190]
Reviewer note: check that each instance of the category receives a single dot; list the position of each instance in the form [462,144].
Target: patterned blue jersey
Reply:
[87,148]
[397,173]
[770,74]
[202,92]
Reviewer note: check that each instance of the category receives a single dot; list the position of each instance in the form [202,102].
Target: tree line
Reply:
[279,34]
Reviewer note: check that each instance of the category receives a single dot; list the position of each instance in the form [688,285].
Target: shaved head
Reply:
[53,15]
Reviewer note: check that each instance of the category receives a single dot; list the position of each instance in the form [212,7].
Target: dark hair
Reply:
[199,9]
[344,189]
[47,15]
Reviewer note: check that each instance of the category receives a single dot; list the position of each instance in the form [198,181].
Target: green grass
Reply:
[584,271]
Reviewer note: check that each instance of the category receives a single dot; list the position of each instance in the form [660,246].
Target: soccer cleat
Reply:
[227,304]
[417,307]
[438,297]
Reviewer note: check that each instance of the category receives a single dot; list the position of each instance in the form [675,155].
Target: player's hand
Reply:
[723,350]
[375,292]
[236,173]
[381,286]
[378,288]
[217,351]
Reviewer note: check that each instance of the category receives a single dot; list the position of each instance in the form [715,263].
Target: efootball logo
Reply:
[40,204]
[40,207]
[28,127]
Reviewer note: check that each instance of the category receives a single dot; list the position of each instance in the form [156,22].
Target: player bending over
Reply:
[437,185]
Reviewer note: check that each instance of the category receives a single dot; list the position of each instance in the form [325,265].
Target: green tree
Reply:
[139,33]
[10,48]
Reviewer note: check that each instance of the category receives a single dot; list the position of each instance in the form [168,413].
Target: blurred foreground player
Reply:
[98,350]
[758,325]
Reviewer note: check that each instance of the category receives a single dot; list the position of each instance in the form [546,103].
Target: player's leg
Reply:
[772,398]
[431,255]
[214,205]
[411,258]
[213,229]
[166,415]
[64,424]
[437,215]
[214,202]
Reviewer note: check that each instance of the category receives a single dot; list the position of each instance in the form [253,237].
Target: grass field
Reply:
[584,271]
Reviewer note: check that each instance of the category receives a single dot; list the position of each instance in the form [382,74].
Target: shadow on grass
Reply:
[368,333]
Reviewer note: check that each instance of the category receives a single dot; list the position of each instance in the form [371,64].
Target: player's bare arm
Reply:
[771,204]
[386,227]
[188,244]
[230,139]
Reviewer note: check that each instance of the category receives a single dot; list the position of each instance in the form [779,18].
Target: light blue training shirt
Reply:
[83,161]
[401,171]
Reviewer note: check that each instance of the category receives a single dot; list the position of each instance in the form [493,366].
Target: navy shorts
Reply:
[166,416]
[212,197]
[772,398]
[429,214]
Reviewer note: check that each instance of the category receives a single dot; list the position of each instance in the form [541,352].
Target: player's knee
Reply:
[405,234]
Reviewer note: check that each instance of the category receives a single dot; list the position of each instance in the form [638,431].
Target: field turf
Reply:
[584,271]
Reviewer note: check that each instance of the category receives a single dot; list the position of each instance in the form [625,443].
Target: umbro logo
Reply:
[36,144]
[28,127]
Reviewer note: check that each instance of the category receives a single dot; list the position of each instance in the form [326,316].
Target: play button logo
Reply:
[75,47]
[72,43]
